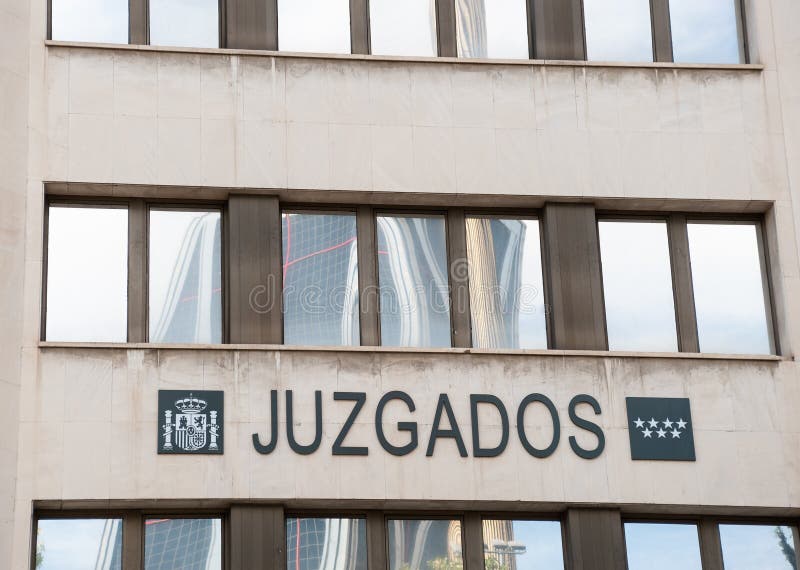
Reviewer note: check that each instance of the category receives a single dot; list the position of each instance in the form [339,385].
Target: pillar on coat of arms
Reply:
[168,430]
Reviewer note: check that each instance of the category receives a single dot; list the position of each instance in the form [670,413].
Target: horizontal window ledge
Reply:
[408,59]
[410,350]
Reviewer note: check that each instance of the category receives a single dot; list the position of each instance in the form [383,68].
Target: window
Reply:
[419,544]
[87,274]
[706,32]
[185,274]
[523,545]
[321,26]
[73,544]
[326,544]
[320,279]
[412,273]
[637,286]
[618,30]
[766,547]
[187,23]
[505,283]
[653,546]
[495,28]
[183,543]
[403,28]
[101,21]
[729,290]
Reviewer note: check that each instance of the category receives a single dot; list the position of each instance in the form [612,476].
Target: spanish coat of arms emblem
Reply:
[190,422]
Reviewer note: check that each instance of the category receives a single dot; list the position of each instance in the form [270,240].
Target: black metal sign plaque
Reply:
[190,421]
[660,429]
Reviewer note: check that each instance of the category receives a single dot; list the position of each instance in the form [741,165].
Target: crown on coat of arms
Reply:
[191,405]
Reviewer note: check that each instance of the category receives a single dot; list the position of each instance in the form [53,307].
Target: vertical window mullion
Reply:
[662,30]
[376,541]
[369,320]
[473,541]
[132,541]
[710,546]
[138,22]
[459,278]
[446,28]
[359,26]
[685,314]
[137,271]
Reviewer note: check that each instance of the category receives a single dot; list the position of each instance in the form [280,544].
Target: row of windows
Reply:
[615,30]
[412,544]
[87,280]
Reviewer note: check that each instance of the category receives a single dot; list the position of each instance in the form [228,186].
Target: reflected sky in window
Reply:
[424,544]
[101,21]
[653,546]
[728,288]
[524,545]
[403,27]
[637,286]
[618,30]
[187,23]
[326,544]
[87,274]
[704,31]
[321,26]
[79,544]
[765,547]
[492,28]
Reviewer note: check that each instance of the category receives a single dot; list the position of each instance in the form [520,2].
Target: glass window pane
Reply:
[618,30]
[492,28]
[183,543]
[403,28]
[766,547]
[320,279]
[187,23]
[637,285]
[704,32]
[425,545]
[662,546]
[412,271]
[78,544]
[321,26]
[728,288]
[185,277]
[87,274]
[522,545]
[326,544]
[101,21]
[505,283]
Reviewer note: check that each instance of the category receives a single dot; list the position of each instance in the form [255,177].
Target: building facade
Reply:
[412,285]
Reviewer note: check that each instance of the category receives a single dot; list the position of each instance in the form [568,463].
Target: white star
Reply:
[681,424]
[653,423]
[639,422]
[661,433]
[648,433]
[676,434]
[668,424]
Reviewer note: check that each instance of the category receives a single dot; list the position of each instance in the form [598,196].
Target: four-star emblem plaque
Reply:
[190,422]
[660,429]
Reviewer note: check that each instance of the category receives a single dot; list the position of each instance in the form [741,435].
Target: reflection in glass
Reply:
[320,279]
[187,23]
[190,544]
[79,544]
[637,285]
[403,28]
[766,547]
[185,277]
[101,21]
[728,288]
[505,283]
[321,26]
[662,546]
[618,30]
[87,274]
[412,272]
[492,28]
[522,545]
[425,544]
[705,32]
[326,544]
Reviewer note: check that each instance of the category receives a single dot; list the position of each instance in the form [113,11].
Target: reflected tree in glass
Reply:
[522,545]
[99,21]
[79,544]
[618,30]
[412,273]
[492,28]
[326,544]
[321,26]
[652,546]
[506,283]
[190,544]
[425,545]
[187,23]
[406,27]
[707,31]
[766,547]
[320,279]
